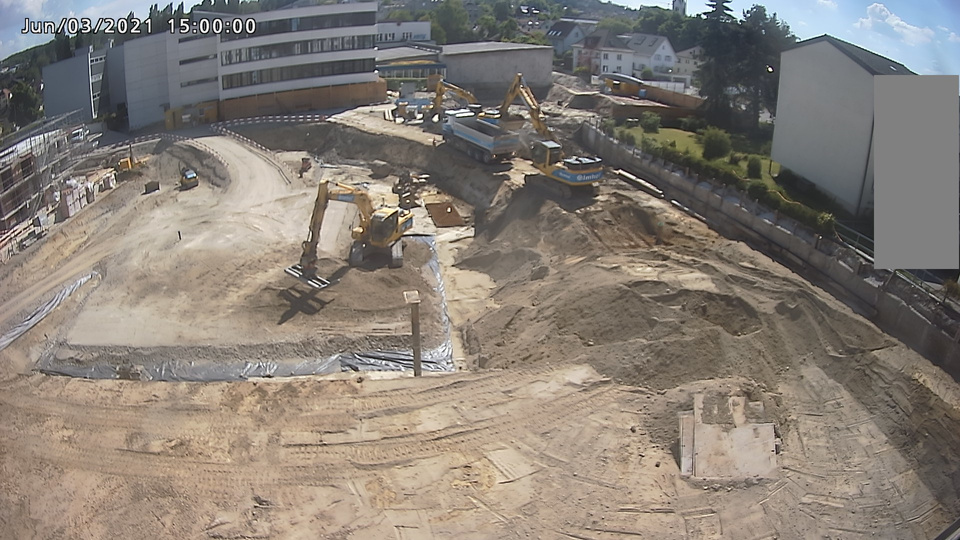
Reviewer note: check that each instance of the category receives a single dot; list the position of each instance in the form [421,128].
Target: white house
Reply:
[688,62]
[389,31]
[654,52]
[563,34]
[603,52]
[824,122]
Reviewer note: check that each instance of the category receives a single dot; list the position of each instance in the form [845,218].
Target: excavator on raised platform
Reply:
[440,90]
[560,175]
[380,231]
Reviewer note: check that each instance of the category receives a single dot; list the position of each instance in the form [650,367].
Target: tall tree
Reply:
[721,44]
[764,38]
[62,46]
[616,25]
[719,10]
[502,10]
[79,42]
[452,17]
[24,105]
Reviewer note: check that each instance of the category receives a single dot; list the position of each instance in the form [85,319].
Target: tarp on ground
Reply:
[41,312]
[434,359]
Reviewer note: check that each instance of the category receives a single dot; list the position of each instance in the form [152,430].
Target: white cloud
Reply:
[943,29]
[954,37]
[801,23]
[882,20]
[827,4]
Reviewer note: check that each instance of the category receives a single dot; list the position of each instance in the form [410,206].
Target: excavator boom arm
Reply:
[443,87]
[520,89]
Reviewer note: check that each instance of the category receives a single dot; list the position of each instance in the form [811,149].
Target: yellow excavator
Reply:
[440,90]
[380,230]
[560,175]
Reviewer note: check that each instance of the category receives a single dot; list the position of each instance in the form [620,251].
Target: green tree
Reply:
[402,15]
[502,10]
[488,27]
[716,143]
[754,167]
[719,10]
[509,29]
[62,46]
[616,25]
[764,38]
[452,17]
[24,105]
[650,122]
[646,74]
[718,71]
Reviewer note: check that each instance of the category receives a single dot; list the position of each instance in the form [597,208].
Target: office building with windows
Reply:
[310,55]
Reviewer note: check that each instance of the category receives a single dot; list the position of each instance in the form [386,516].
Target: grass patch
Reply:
[686,141]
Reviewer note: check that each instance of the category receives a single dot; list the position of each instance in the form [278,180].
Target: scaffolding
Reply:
[34,158]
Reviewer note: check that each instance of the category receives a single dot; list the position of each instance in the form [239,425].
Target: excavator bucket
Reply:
[316,282]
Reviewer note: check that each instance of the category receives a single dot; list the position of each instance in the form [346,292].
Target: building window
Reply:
[619,57]
[617,69]
[197,59]
[657,57]
[667,58]
[198,81]
[604,69]
[279,50]
[606,56]
[407,36]
[303,71]
[303,24]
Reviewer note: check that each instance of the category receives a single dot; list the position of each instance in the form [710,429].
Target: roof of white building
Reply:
[645,44]
[603,39]
[489,46]
[870,61]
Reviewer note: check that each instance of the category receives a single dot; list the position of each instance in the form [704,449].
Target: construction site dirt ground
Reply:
[581,332]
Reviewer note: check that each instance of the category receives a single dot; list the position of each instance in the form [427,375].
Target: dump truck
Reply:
[479,139]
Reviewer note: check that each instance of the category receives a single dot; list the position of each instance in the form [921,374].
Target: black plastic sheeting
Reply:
[7,338]
[435,359]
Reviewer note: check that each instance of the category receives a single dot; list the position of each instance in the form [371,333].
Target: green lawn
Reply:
[687,140]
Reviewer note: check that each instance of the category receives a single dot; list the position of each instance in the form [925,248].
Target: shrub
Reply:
[766,148]
[716,143]
[646,74]
[607,126]
[756,189]
[650,122]
[825,223]
[692,123]
[951,288]
[672,144]
[734,158]
[754,167]
[626,137]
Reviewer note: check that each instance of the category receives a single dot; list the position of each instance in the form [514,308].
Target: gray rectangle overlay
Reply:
[916,166]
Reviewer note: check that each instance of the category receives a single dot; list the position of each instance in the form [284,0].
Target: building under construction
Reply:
[32,158]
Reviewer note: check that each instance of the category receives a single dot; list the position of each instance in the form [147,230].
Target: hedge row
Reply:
[822,222]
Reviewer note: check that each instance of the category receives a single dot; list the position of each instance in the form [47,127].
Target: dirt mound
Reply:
[171,158]
[732,313]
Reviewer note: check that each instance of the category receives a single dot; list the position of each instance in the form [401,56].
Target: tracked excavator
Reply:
[560,175]
[380,231]
[436,108]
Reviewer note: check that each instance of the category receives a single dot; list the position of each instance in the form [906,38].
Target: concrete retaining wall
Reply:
[734,215]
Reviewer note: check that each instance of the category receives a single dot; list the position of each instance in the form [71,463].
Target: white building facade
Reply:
[824,122]
[402,31]
[294,49]
[653,52]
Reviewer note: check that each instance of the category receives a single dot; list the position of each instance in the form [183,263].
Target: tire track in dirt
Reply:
[85,449]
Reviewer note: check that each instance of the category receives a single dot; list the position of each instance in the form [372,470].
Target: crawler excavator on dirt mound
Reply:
[380,231]
[435,112]
[559,175]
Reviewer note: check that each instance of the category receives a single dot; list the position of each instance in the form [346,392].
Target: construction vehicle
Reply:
[560,175]
[479,139]
[440,90]
[624,85]
[380,230]
[188,179]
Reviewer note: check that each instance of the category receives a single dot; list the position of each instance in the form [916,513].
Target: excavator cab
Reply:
[546,152]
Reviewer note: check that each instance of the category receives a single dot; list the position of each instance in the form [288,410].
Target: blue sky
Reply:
[924,36]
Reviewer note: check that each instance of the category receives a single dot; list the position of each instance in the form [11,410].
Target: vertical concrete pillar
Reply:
[413,299]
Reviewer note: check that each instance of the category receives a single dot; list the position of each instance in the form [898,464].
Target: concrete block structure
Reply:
[488,68]
[824,122]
